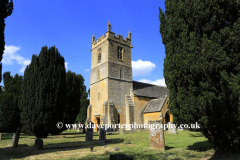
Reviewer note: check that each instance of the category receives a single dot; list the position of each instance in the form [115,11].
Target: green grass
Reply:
[184,145]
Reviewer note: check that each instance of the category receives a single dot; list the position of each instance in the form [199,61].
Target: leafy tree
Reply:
[43,93]
[202,66]
[9,111]
[6,9]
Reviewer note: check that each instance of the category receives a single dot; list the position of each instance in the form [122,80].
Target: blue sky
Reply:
[69,26]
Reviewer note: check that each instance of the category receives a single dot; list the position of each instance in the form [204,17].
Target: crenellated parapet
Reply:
[111,36]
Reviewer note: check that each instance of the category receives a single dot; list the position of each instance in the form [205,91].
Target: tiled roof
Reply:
[155,105]
[149,90]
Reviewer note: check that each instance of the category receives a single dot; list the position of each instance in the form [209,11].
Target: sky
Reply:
[69,26]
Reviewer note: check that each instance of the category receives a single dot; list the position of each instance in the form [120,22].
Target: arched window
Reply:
[120,53]
[99,57]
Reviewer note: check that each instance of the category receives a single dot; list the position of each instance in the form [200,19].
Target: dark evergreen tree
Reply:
[73,98]
[6,9]
[43,93]
[84,102]
[202,66]
[7,78]
[9,111]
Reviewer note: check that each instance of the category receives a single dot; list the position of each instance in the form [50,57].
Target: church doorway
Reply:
[97,123]
[167,117]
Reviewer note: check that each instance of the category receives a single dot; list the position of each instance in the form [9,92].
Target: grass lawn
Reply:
[71,145]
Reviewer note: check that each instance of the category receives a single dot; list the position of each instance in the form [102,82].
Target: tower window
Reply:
[121,73]
[99,57]
[98,75]
[98,96]
[120,53]
[99,54]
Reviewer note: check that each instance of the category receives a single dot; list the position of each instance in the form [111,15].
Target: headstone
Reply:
[39,143]
[13,139]
[171,128]
[120,156]
[102,135]
[0,136]
[84,129]
[121,130]
[156,136]
[174,130]
[89,134]
[15,144]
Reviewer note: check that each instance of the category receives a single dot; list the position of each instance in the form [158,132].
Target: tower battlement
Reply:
[111,36]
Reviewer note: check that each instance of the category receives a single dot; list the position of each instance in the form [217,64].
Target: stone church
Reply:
[114,97]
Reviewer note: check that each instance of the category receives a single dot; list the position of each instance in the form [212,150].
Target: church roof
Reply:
[155,105]
[149,90]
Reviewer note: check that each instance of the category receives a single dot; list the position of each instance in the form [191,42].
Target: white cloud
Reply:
[160,82]
[10,55]
[66,65]
[86,70]
[142,68]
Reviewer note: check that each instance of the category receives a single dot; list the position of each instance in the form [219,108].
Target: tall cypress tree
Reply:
[43,98]
[9,111]
[6,9]
[202,66]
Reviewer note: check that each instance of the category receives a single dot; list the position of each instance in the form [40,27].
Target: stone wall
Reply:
[139,104]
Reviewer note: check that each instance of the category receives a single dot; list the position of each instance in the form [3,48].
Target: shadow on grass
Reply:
[201,146]
[10,135]
[168,148]
[226,154]
[23,150]
[198,135]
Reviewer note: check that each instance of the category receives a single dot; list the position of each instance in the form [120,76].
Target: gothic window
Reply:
[99,57]
[120,53]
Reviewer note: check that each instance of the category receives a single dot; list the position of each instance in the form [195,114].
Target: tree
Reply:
[74,85]
[202,66]
[43,93]
[6,9]
[84,102]
[9,111]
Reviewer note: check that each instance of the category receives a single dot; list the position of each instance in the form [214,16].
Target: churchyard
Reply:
[71,144]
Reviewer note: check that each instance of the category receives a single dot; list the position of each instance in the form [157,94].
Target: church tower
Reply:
[111,79]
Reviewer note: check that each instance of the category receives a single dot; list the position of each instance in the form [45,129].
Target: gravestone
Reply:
[102,135]
[13,139]
[89,134]
[0,136]
[39,143]
[84,129]
[15,144]
[156,136]
[174,130]
[171,128]
[120,156]
[121,130]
